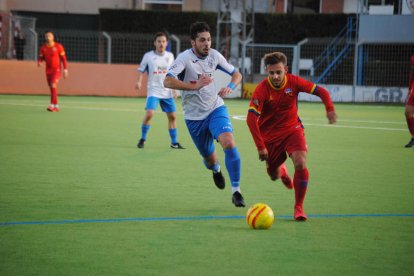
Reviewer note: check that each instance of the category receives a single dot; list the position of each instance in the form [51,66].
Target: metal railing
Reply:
[379,64]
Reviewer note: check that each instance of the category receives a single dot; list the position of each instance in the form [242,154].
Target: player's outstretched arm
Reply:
[39,60]
[327,101]
[251,121]
[331,117]
[138,84]
[235,80]
[173,83]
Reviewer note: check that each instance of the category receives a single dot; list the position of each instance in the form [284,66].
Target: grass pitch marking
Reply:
[195,218]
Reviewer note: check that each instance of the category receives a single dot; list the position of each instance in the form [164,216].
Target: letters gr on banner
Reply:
[390,95]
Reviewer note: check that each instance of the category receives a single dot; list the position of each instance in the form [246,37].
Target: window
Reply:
[164,5]
[303,6]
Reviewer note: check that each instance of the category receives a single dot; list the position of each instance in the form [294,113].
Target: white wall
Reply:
[350,6]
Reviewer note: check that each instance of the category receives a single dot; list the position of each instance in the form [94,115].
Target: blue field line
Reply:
[190,219]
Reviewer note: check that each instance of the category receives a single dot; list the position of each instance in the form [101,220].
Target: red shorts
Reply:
[282,148]
[410,97]
[53,77]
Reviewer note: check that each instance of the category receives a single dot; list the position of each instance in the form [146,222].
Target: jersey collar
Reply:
[202,58]
[277,88]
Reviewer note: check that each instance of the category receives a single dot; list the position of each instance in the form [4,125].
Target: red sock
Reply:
[53,95]
[300,182]
[410,124]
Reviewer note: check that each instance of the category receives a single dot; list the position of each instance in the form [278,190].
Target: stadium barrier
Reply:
[89,79]
[377,70]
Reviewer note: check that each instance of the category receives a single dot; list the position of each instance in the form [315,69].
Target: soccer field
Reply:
[77,197]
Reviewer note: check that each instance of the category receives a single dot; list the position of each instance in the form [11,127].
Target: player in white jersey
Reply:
[205,114]
[155,63]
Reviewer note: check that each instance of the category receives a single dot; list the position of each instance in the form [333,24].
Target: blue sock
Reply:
[232,159]
[214,168]
[144,131]
[173,135]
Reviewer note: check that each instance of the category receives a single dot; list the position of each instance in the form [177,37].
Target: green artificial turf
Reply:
[77,197]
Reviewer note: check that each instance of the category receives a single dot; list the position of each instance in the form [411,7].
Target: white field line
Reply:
[236,117]
[243,117]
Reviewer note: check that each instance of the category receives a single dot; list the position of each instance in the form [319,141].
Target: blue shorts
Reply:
[203,132]
[167,105]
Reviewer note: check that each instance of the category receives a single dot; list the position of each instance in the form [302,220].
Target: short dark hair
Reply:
[274,58]
[198,27]
[158,34]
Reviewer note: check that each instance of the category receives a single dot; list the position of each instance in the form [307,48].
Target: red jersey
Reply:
[274,111]
[410,97]
[53,55]
[411,81]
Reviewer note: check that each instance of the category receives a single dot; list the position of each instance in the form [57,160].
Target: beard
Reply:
[203,52]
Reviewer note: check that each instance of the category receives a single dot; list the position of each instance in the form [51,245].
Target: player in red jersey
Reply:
[54,55]
[277,129]
[409,106]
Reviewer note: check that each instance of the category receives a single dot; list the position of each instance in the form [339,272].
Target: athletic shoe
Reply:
[299,214]
[56,109]
[238,200]
[141,143]
[410,144]
[176,146]
[51,108]
[285,178]
[219,180]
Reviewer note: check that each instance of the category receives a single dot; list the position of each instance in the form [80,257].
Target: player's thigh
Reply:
[201,136]
[409,106]
[276,156]
[410,98]
[53,78]
[168,105]
[296,141]
[152,103]
[219,122]
[409,110]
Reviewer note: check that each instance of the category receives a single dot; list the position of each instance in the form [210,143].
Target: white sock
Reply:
[235,189]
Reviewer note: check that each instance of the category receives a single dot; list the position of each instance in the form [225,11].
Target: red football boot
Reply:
[299,214]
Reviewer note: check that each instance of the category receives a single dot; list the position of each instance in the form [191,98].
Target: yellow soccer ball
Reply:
[260,216]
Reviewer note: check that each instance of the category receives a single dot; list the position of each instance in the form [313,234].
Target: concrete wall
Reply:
[24,77]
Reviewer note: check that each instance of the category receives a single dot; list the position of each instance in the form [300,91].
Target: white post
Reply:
[109,46]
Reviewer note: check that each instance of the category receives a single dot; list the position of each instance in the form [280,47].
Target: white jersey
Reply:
[156,65]
[198,104]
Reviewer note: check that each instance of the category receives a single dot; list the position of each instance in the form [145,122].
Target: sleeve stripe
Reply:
[254,110]
[225,71]
[171,75]
[313,88]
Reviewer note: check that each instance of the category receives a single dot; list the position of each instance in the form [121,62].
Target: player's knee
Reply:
[149,114]
[273,175]
[300,166]
[299,163]
[171,117]
[227,141]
